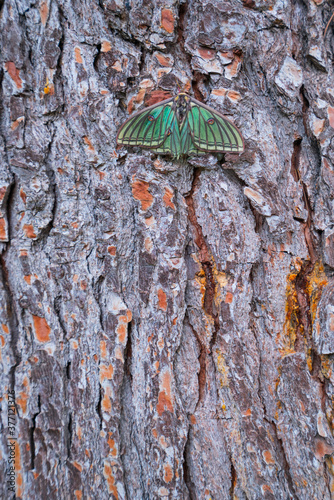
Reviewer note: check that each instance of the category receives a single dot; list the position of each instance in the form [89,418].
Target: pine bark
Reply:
[167,326]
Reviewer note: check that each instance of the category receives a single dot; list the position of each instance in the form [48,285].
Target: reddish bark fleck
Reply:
[23,195]
[3,190]
[77,54]
[42,329]
[167,20]
[162,300]
[140,192]
[168,198]
[157,96]
[44,11]
[110,480]
[206,53]
[3,230]
[331,116]
[164,399]
[163,60]
[106,372]
[14,73]
[168,473]
[29,231]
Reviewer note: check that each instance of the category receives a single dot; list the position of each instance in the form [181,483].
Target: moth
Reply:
[181,126]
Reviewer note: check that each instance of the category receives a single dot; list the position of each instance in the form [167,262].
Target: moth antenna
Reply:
[328,24]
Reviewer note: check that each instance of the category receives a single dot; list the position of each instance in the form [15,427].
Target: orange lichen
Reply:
[27,278]
[14,73]
[167,198]
[78,494]
[49,88]
[167,20]
[112,250]
[42,329]
[5,328]
[229,298]
[162,300]
[140,192]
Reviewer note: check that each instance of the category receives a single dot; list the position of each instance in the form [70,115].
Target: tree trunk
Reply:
[167,326]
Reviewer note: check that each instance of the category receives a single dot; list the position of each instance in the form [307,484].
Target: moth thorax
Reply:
[181,108]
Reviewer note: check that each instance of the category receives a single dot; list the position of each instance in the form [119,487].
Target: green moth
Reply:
[181,126]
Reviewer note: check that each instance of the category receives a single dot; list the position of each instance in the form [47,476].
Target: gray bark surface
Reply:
[168,327]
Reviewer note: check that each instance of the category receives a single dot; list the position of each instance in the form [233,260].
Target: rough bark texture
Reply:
[168,327]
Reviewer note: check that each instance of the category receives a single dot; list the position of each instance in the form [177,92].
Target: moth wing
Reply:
[211,131]
[171,144]
[148,128]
